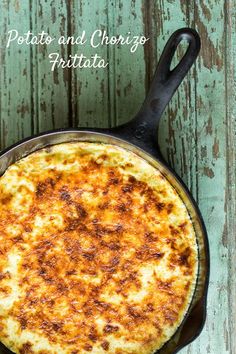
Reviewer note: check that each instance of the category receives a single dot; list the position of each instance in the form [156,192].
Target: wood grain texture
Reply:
[103,98]
[15,79]
[90,94]
[230,204]
[198,129]
[50,91]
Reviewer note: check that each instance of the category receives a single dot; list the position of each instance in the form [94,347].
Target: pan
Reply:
[140,136]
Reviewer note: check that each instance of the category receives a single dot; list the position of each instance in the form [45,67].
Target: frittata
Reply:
[98,253]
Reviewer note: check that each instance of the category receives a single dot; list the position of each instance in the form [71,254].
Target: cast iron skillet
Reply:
[139,136]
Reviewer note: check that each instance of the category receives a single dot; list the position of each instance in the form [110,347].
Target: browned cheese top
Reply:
[97,253]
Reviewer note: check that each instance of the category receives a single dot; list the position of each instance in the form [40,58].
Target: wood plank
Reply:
[51,89]
[15,75]
[211,167]
[106,97]
[90,94]
[33,98]
[127,69]
[230,202]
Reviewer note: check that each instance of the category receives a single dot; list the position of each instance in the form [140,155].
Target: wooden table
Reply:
[197,131]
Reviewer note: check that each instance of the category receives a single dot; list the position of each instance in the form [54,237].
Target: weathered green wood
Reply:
[215,161]
[230,150]
[127,86]
[90,87]
[15,76]
[105,97]
[51,90]
[211,167]
[197,131]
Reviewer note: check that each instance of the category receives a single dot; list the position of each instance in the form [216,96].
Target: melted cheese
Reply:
[97,253]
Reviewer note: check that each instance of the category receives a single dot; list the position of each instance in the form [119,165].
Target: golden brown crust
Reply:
[104,257]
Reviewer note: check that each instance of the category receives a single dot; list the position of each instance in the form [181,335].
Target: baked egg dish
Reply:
[98,253]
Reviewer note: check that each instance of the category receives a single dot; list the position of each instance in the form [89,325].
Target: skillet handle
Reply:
[142,129]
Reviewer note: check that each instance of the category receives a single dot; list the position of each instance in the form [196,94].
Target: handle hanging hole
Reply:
[179,53]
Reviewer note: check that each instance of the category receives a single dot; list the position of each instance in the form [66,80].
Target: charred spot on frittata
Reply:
[98,253]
